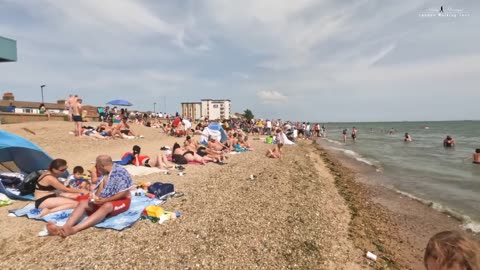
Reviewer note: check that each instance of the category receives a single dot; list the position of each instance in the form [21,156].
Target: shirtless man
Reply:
[109,130]
[69,105]
[77,118]
[215,150]
[124,127]
[449,142]
[111,197]
[476,156]
[354,134]
[408,138]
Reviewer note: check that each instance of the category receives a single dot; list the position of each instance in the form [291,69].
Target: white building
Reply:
[216,108]
[192,110]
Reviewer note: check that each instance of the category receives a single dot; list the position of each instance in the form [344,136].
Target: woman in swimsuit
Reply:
[189,155]
[45,196]
[160,161]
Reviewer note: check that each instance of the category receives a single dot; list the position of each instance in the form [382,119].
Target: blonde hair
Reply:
[450,248]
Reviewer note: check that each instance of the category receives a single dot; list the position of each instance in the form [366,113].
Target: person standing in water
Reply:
[449,142]
[354,134]
[344,133]
[408,138]
[476,156]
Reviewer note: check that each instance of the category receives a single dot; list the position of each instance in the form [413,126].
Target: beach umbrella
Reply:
[119,102]
[22,153]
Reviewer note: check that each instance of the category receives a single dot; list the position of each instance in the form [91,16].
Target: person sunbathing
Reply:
[216,145]
[109,129]
[94,134]
[166,129]
[45,196]
[275,152]
[160,161]
[243,141]
[188,155]
[213,151]
[111,197]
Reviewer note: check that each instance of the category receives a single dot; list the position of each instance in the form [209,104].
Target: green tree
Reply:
[248,114]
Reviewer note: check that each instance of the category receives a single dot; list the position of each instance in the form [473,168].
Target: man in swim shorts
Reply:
[111,197]
[76,116]
[354,134]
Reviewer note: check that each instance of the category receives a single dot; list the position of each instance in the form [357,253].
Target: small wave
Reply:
[357,157]
[472,226]
[467,222]
[333,141]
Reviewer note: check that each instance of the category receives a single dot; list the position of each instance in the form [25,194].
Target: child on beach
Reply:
[452,250]
[275,152]
[78,181]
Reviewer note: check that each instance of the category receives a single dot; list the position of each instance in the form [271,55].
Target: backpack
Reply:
[29,183]
[161,190]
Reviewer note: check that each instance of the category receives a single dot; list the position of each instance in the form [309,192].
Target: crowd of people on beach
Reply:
[104,190]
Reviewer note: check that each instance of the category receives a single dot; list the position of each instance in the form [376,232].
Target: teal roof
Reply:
[8,50]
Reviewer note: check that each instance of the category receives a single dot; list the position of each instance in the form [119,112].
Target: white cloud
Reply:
[321,52]
[272,97]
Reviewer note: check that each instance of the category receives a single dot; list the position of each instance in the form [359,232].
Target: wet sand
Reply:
[291,216]
[394,226]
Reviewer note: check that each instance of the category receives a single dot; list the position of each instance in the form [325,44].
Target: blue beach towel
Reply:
[118,222]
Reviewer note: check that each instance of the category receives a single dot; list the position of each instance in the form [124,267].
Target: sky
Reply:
[322,60]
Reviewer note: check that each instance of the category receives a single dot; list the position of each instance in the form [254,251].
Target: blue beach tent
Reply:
[25,155]
[19,154]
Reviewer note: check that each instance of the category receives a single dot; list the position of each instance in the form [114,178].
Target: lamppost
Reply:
[154,104]
[41,87]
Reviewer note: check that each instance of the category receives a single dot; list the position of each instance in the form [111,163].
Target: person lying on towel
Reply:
[112,197]
[160,160]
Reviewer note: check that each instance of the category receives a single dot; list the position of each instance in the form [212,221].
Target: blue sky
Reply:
[362,60]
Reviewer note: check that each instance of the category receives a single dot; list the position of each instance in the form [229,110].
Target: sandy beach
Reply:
[290,216]
[310,210]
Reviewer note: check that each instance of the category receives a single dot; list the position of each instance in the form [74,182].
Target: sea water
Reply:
[422,169]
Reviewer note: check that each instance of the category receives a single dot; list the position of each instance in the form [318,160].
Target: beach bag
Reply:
[161,190]
[29,183]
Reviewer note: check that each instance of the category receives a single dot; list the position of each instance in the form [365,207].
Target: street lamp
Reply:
[154,104]
[41,87]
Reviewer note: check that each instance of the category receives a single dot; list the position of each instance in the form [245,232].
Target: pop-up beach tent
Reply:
[214,130]
[20,155]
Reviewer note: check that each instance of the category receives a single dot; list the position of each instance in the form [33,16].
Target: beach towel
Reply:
[118,222]
[142,170]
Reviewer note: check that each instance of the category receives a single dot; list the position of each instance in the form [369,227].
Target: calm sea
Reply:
[422,169]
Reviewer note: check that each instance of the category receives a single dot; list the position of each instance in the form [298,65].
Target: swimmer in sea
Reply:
[408,138]
[476,156]
[344,136]
[449,142]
